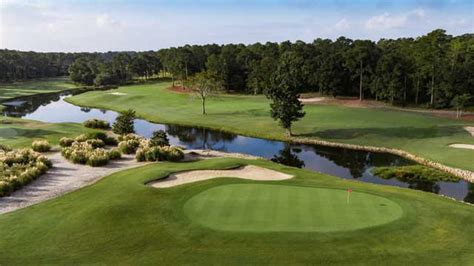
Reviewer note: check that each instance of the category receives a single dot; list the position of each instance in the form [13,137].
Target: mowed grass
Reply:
[20,133]
[421,134]
[277,208]
[25,88]
[120,220]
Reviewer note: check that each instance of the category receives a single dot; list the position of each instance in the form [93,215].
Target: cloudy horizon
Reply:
[106,25]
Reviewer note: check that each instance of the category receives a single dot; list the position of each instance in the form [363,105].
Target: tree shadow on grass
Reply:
[13,133]
[394,132]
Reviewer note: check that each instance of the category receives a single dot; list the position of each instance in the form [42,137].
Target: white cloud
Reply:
[342,25]
[388,21]
[104,20]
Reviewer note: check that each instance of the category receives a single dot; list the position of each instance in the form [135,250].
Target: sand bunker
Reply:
[250,172]
[312,100]
[462,146]
[118,93]
[470,130]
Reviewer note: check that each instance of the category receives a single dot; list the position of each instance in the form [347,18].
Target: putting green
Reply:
[281,208]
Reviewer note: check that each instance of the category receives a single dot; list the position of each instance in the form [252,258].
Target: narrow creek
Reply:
[344,163]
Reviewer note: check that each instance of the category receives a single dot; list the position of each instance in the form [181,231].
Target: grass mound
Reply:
[276,208]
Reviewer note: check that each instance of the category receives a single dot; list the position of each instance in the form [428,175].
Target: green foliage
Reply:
[4,148]
[115,154]
[19,167]
[413,173]
[159,138]
[85,153]
[41,146]
[66,142]
[286,106]
[124,123]
[128,146]
[159,153]
[96,123]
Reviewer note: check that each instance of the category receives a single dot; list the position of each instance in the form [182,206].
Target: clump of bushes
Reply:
[115,154]
[19,167]
[157,153]
[129,143]
[66,142]
[4,147]
[86,153]
[97,123]
[413,173]
[41,146]
[89,149]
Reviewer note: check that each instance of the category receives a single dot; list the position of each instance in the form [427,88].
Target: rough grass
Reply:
[25,88]
[119,220]
[420,134]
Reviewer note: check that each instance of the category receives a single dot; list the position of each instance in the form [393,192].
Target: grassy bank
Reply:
[420,134]
[19,133]
[119,220]
[26,88]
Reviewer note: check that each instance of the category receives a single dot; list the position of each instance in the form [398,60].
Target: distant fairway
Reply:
[270,208]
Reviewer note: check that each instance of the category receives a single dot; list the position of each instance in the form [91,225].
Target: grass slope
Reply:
[25,88]
[421,134]
[277,208]
[19,133]
[119,220]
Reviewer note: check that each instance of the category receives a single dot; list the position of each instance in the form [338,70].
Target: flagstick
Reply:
[348,195]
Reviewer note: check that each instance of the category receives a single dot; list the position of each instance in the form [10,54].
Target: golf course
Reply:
[236,133]
[306,219]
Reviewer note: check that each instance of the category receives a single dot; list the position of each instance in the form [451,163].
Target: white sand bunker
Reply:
[312,100]
[250,172]
[470,130]
[118,93]
[462,146]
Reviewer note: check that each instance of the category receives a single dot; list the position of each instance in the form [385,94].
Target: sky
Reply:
[140,25]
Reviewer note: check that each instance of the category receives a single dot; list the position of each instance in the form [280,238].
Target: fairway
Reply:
[277,208]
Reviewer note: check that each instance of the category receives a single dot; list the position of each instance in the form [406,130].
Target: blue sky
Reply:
[106,25]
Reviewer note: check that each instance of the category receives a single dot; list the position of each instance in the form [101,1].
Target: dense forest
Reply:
[432,69]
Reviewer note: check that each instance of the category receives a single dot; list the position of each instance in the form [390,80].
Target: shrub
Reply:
[128,146]
[102,136]
[65,142]
[4,147]
[114,154]
[156,153]
[140,155]
[41,146]
[82,138]
[86,153]
[19,167]
[98,157]
[413,173]
[96,123]
[124,123]
[95,143]
[159,138]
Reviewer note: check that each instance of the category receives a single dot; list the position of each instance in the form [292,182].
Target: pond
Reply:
[344,163]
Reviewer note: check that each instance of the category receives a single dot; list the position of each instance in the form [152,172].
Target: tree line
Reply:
[432,69]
